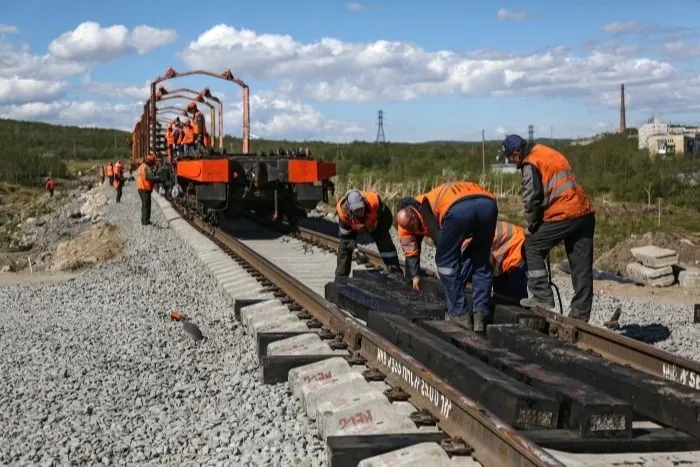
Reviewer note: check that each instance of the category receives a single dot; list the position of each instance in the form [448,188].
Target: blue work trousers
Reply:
[474,217]
[512,284]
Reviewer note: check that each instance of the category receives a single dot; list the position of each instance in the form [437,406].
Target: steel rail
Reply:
[494,442]
[609,345]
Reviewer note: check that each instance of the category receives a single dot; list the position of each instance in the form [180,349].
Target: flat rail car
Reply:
[286,182]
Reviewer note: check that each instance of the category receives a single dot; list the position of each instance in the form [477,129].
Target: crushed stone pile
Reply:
[99,243]
[95,372]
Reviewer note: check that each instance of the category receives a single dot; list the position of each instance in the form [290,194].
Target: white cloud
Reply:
[17,90]
[355,6]
[332,70]
[626,27]
[93,43]
[275,115]
[681,50]
[82,113]
[509,15]
[8,29]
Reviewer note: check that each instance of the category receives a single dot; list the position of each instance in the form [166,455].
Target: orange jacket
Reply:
[198,123]
[506,250]
[189,135]
[110,170]
[348,224]
[50,184]
[562,197]
[442,197]
[142,182]
[169,137]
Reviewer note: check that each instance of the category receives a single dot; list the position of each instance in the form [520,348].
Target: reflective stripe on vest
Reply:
[141,182]
[442,197]
[372,204]
[564,197]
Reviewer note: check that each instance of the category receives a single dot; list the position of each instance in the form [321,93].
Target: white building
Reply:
[656,127]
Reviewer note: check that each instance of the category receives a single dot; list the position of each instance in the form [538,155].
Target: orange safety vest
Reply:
[369,223]
[198,123]
[506,249]
[118,181]
[169,137]
[442,197]
[141,182]
[50,184]
[564,197]
[189,135]
[110,170]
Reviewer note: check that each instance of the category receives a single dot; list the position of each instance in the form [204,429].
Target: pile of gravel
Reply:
[94,372]
[667,326]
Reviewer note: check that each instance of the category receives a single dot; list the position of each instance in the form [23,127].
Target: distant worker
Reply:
[119,184]
[451,213]
[145,181]
[102,174]
[364,212]
[556,209]
[200,129]
[188,138]
[50,186]
[179,137]
[110,173]
[170,142]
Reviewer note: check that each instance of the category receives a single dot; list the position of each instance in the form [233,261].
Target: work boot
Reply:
[466,320]
[533,302]
[479,322]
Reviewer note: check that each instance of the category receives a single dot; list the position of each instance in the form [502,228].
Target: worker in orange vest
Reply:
[119,179]
[364,212]
[507,257]
[50,186]
[188,137]
[145,181]
[556,209]
[102,174]
[110,173]
[451,213]
[170,142]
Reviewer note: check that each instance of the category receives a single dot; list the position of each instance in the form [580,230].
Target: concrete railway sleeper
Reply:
[368,396]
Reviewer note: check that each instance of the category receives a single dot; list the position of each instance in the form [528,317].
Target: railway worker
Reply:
[102,174]
[507,256]
[50,186]
[451,213]
[145,182]
[110,173]
[170,142]
[364,212]
[199,128]
[188,138]
[556,209]
[118,180]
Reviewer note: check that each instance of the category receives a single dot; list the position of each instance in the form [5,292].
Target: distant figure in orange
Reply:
[50,186]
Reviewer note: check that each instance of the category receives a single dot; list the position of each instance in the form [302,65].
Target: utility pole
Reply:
[483,153]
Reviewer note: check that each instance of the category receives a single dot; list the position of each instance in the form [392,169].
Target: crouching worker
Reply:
[450,213]
[364,212]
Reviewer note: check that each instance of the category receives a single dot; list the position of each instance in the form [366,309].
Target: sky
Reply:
[321,69]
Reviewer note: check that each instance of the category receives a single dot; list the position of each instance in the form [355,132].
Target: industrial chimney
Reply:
[623,126]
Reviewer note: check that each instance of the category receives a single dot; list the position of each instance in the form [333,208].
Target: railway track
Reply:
[415,372]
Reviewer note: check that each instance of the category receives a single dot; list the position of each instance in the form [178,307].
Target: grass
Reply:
[84,166]
[615,221]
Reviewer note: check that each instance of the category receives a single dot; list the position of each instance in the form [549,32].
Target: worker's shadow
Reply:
[647,333]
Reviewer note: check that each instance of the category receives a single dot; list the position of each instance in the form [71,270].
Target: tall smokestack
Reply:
[623,126]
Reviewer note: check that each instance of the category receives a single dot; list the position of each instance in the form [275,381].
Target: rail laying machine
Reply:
[285,182]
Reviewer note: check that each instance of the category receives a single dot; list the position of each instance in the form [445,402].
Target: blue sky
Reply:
[322,69]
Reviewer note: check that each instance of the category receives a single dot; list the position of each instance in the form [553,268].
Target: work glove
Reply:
[416,283]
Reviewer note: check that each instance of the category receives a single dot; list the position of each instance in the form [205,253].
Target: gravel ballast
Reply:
[95,372]
[667,326]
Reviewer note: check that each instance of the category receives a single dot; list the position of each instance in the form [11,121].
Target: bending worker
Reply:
[451,213]
[556,209]
[145,181]
[507,257]
[364,212]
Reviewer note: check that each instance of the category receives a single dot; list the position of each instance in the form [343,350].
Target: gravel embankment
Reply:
[94,372]
[667,326]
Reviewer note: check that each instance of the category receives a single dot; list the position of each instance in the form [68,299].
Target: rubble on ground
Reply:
[100,242]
